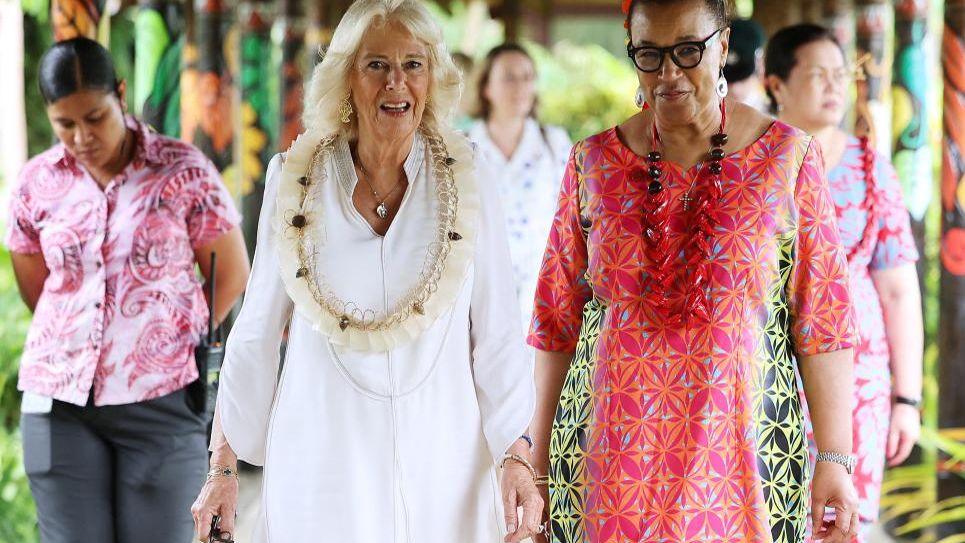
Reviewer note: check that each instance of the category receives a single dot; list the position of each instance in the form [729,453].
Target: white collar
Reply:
[345,167]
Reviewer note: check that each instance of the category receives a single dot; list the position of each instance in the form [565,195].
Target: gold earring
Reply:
[345,111]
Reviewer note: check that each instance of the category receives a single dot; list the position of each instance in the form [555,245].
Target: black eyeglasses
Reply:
[686,54]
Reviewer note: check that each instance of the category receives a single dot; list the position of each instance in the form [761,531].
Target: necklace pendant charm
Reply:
[382,211]
[686,199]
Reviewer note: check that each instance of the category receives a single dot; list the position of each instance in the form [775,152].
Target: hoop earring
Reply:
[345,111]
[640,100]
[722,88]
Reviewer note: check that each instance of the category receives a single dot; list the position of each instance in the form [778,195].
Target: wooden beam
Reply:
[839,18]
[75,18]
[774,16]
[292,34]
[207,95]
[510,13]
[258,116]
[873,19]
[951,329]
[910,93]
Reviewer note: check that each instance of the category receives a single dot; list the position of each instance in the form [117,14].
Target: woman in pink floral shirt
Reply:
[808,78]
[106,230]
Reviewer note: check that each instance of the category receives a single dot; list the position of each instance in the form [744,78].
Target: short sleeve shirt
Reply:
[122,308]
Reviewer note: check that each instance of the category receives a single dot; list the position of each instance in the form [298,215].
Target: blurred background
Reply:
[227,75]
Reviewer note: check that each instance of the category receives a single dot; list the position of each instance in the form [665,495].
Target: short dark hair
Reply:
[74,65]
[485,109]
[718,8]
[780,55]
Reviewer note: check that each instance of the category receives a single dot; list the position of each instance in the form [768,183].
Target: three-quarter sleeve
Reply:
[250,371]
[822,319]
[501,365]
[562,290]
[213,211]
[22,236]
[895,245]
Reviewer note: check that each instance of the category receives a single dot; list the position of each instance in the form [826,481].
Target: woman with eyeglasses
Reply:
[523,157]
[692,267]
[808,80]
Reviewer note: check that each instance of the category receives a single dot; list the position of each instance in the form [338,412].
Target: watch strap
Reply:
[908,401]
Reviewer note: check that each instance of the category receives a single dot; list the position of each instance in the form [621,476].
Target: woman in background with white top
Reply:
[524,158]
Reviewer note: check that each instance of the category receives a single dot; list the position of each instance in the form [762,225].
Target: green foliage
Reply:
[37,38]
[583,104]
[15,319]
[17,514]
[38,9]
[582,87]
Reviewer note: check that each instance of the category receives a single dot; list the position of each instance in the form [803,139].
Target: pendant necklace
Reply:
[381,209]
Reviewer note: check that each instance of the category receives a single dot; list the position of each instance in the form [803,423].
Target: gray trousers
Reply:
[116,474]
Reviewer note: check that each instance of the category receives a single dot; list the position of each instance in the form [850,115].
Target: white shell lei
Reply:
[448,256]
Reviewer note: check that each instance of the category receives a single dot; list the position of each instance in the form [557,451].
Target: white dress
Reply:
[378,445]
[528,184]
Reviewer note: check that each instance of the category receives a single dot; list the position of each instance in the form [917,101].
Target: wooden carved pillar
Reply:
[292,34]
[257,111]
[873,107]
[951,327]
[206,86]
[912,155]
[75,18]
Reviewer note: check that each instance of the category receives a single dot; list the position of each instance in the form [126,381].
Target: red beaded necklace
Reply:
[662,267]
[868,236]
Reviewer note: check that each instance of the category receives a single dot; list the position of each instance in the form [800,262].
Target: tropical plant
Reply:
[17,512]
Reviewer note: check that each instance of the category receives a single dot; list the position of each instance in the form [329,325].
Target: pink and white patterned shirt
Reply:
[122,308]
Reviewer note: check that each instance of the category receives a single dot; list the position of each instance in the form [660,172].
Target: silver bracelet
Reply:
[846,460]
[221,471]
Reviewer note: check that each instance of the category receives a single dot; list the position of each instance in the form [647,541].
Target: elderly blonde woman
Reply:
[392,414]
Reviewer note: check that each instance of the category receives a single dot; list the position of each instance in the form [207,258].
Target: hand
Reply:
[219,496]
[544,537]
[832,487]
[903,433]
[519,490]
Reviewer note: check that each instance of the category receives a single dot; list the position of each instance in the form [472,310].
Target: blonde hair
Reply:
[330,79]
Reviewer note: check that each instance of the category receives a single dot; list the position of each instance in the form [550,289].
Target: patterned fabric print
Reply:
[528,183]
[122,309]
[568,440]
[694,433]
[894,246]
[782,454]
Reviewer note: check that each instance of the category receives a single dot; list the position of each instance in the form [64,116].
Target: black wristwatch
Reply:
[908,401]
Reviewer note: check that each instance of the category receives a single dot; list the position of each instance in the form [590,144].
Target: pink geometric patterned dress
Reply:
[890,245]
[688,433]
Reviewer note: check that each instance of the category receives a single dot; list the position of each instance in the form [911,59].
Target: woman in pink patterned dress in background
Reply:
[808,79]
[106,230]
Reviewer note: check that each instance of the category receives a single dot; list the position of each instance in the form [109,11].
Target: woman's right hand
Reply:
[219,496]
[544,537]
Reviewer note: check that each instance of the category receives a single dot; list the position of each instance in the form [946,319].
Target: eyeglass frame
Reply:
[668,50]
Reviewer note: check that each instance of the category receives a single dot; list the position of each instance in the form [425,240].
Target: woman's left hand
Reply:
[519,490]
[832,487]
[904,432]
